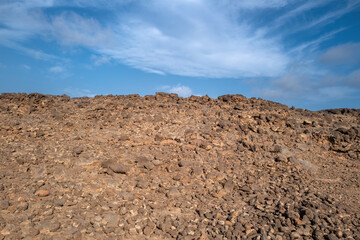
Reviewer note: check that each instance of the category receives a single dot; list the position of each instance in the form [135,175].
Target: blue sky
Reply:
[302,53]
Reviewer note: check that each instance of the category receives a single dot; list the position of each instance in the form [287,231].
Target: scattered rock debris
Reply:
[166,167]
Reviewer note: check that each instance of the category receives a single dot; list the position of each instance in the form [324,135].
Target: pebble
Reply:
[22,206]
[42,193]
[4,204]
[51,226]
[173,192]
[111,219]
[115,166]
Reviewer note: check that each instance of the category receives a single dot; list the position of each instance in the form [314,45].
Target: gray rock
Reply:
[111,219]
[115,166]
[173,192]
[4,204]
[332,237]
[22,206]
[51,226]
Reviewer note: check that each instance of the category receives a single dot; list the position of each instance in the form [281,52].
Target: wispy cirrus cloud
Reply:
[255,4]
[100,60]
[206,43]
[313,45]
[196,38]
[298,11]
[56,69]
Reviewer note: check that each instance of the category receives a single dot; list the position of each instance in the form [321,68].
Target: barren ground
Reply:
[164,167]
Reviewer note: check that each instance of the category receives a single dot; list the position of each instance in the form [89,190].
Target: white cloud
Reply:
[197,39]
[56,69]
[72,29]
[253,4]
[37,54]
[78,92]
[312,46]
[200,38]
[205,43]
[181,90]
[100,60]
[330,16]
[306,6]
[27,67]
[342,55]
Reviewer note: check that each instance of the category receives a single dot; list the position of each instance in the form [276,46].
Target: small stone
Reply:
[78,150]
[339,234]
[197,171]
[29,231]
[177,177]
[281,158]
[115,167]
[59,202]
[157,162]
[332,237]
[250,233]
[298,221]
[51,226]
[132,231]
[148,231]
[295,235]
[22,206]
[4,204]
[123,210]
[173,192]
[304,231]
[264,237]
[40,183]
[42,193]
[229,186]
[277,148]
[149,165]
[127,196]
[142,184]
[112,220]
[124,137]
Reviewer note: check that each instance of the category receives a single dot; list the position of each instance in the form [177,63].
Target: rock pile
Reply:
[166,167]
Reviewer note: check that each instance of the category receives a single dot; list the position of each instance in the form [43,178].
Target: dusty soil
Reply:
[164,167]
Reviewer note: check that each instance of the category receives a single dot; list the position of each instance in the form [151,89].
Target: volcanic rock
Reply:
[166,167]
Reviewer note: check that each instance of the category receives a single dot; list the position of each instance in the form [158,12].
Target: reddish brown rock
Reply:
[166,167]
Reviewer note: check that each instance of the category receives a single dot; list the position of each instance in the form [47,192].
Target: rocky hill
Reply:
[166,167]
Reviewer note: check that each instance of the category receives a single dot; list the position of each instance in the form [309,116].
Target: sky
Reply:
[302,53]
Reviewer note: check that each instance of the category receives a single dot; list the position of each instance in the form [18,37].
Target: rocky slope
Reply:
[165,167]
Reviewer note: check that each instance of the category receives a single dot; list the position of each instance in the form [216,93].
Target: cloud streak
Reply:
[56,69]
[197,38]
[206,43]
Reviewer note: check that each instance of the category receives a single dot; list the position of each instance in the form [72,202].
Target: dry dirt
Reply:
[165,167]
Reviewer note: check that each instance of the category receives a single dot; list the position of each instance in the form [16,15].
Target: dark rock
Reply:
[115,166]
[4,204]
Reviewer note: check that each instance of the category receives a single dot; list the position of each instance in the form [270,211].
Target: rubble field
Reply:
[166,167]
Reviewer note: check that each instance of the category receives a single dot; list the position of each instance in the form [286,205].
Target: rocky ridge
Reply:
[166,167]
